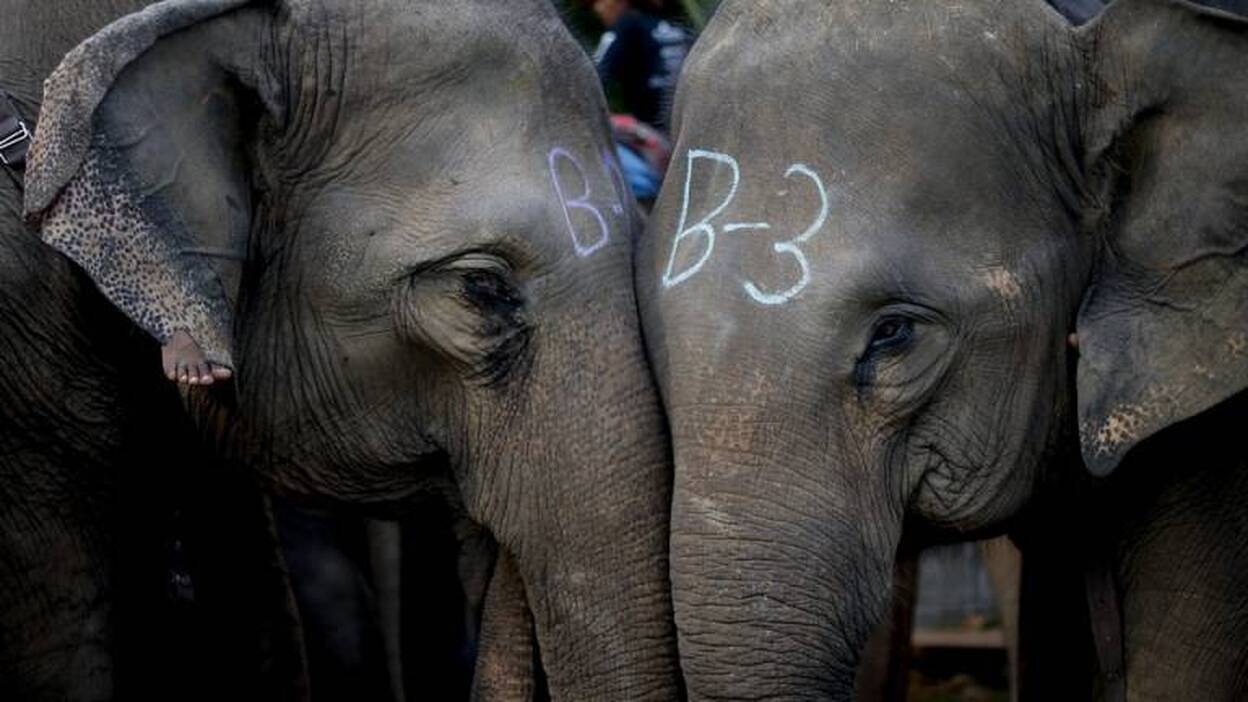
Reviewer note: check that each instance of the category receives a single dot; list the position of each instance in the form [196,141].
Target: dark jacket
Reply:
[639,60]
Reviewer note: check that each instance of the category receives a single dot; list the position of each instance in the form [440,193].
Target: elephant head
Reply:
[401,222]
[883,224]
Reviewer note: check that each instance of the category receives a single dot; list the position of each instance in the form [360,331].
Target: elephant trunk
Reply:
[584,516]
[602,606]
[778,577]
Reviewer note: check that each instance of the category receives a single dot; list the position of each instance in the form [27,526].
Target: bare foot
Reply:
[184,362]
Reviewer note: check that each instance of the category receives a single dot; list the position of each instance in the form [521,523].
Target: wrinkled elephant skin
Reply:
[884,227]
[403,226]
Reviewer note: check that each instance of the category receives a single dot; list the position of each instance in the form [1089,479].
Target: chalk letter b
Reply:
[702,227]
[581,203]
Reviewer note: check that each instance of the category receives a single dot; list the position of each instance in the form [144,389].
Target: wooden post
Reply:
[884,671]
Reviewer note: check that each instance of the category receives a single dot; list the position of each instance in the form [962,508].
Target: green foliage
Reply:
[581,20]
[697,11]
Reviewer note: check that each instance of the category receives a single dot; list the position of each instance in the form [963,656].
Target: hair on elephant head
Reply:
[401,222]
[862,281]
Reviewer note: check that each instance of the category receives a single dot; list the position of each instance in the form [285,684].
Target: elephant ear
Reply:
[1163,328]
[138,171]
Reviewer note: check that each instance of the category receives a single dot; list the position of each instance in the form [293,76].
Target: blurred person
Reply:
[643,153]
[639,58]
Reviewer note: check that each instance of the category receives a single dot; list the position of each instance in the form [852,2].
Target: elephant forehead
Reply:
[871,159]
[908,74]
[413,92]
[515,200]
[417,46]
[735,229]
[842,31]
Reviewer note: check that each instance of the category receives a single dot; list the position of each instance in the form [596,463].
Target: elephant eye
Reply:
[891,333]
[490,292]
[909,346]
[470,309]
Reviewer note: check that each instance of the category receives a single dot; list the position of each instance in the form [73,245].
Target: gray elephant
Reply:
[118,576]
[914,264]
[402,226]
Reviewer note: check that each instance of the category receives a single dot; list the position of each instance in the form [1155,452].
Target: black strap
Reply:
[15,138]
[1105,613]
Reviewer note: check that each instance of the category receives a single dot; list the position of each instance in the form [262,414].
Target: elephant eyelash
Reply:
[471,313]
[503,324]
[490,293]
[890,335]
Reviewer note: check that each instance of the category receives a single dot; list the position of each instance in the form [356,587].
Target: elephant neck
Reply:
[1177,560]
[1161,542]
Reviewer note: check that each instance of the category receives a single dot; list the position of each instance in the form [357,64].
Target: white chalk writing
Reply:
[793,247]
[703,226]
[587,202]
[704,230]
